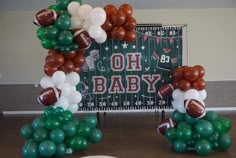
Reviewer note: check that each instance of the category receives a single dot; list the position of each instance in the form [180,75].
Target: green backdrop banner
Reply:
[127,76]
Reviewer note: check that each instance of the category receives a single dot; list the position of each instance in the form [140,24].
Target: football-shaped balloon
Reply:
[165,91]
[194,108]
[82,38]
[49,96]
[166,123]
[45,17]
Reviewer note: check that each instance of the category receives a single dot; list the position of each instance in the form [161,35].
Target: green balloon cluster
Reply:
[203,135]
[59,35]
[51,134]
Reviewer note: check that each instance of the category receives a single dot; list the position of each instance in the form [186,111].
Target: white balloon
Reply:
[76,22]
[202,94]
[84,11]
[191,94]
[58,77]
[97,16]
[73,78]
[95,31]
[62,102]
[177,94]
[178,105]
[102,38]
[65,89]
[73,108]
[73,8]
[46,82]
[75,97]
[86,24]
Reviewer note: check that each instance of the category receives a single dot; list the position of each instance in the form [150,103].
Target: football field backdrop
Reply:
[126,76]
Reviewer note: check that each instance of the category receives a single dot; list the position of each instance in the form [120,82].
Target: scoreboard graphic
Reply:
[126,76]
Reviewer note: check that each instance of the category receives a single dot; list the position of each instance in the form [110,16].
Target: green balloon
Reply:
[51,32]
[40,33]
[183,124]
[191,144]
[214,137]
[47,148]
[27,131]
[210,116]
[79,143]
[60,150]
[69,129]
[203,147]
[30,150]
[57,136]
[180,146]
[76,121]
[226,124]
[218,126]
[47,44]
[59,111]
[177,116]
[96,136]
[190,119]
[64,12]
[40,135]
[170,134]
[54,7]
[224,141]
[84,130]
[63,22]
[38,123]
[62,4]
[196,136]
[52,123]
[90,120]
[65,38]
[67,115]
[184,133]
[204,128]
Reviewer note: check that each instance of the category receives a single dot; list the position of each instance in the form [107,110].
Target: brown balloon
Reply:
[51,51]
[49,70]
[130,24]
[191,74]
[184,85]
[79,60]
[80,51]
[127,9]
[118,18]
[201,70]
[70,55]
[118,33]
[77,69]
[130,36]
[56,60]
[199,84]
[178,74]
[110,9]
[68,66]
[107,25]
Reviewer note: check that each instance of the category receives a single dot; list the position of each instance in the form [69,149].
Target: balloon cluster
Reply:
[190,126]
[70,62]
[57,133]
[69,26]
[60,91]
[119,24]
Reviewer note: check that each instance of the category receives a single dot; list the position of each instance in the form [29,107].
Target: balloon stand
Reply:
[191,127]
[57,133]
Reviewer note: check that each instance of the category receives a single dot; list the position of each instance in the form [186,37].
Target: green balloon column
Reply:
[65,32]
[191,127]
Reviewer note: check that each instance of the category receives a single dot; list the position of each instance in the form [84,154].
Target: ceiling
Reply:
[14,5]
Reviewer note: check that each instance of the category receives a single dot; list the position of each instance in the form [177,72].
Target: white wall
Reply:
[211,42]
